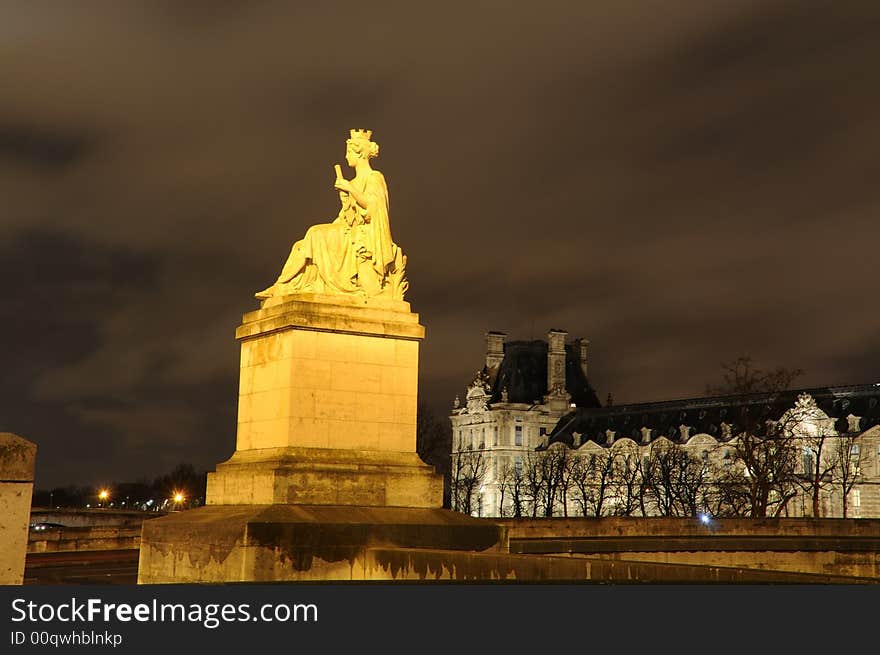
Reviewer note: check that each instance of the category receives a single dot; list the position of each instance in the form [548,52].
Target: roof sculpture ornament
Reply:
[803,413]
[806,403]
[478,393]
[806,419]
[354,254]
[558,391]
[685,432]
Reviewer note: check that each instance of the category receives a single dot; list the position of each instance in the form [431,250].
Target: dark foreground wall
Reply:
[633,526]
[95,517]
[54,540]
[17,458]
[603,550]
[847,547]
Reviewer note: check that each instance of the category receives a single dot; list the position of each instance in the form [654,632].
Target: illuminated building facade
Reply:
[532,435]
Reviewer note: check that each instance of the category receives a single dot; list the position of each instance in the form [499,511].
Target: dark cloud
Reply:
[54,288]
[679,182]
[42,148]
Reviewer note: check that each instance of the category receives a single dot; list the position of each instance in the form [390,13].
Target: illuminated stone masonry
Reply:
[327,407]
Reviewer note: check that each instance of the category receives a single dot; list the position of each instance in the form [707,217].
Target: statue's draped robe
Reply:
[327,259]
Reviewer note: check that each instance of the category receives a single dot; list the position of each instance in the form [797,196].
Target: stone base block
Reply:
[17,458]
[319,476]
[319,371]
[268,543]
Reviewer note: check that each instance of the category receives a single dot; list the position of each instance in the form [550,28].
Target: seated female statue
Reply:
[354,254]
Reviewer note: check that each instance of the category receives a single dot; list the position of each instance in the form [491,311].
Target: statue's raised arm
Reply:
[354,254]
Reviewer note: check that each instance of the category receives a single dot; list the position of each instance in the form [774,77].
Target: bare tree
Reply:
[592,475]
[848,472]
[661,476]
[468,475]
[555,467]
[819,463]
[813,432]
[762,478]
[627,481]
[581,480]
[564,465]
[549,466]
[504,481]
[692,483]
[731,494]
[434,445]
[676,483]
[765,480]
[742,376]
[511,484]
[533,476]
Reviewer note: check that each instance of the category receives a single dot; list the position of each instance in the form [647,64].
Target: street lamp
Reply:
[103,495]
[177,498]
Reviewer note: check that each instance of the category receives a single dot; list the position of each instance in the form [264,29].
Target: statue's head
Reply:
[360,144]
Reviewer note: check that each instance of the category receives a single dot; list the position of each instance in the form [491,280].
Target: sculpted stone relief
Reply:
[354,254]
[478,394]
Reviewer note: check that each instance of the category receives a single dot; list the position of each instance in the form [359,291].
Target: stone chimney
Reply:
[583,346]
[494,349]
[556,360]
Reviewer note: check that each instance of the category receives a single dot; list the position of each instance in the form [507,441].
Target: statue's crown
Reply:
[362,134]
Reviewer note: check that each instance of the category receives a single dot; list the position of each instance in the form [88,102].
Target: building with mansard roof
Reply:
[513,403]
[533,397]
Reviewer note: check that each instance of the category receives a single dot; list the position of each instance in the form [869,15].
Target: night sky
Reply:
[679,182]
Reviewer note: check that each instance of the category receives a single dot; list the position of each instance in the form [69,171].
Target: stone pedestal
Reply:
[17,458]
[325,470]
[327,407]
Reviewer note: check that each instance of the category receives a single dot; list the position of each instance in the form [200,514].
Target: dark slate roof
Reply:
[523,371]
[705,415]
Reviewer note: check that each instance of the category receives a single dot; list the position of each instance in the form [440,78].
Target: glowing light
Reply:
[178,497]
[103,494]
[704,519]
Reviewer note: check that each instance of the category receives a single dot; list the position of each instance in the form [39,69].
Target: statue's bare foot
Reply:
[265,293]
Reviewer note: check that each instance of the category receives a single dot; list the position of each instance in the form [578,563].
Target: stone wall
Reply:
[55,540]
[83,518]
[837,547]
[17,457]
[675,527]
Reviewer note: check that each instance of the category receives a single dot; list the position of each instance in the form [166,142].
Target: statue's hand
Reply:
[343,185]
